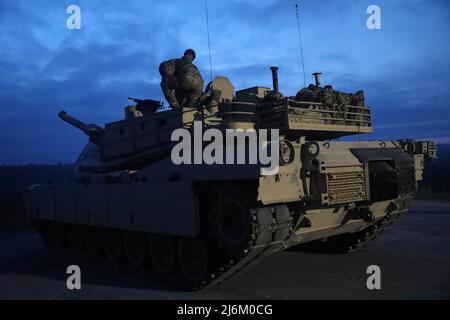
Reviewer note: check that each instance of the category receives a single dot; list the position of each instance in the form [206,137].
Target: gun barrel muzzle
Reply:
[74,122]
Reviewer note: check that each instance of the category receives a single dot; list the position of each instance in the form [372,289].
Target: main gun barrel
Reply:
[91,130]
[74,122]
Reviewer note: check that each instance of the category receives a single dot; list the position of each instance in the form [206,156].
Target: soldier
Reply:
[181,83]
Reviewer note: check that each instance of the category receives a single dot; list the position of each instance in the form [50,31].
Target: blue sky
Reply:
[44,67]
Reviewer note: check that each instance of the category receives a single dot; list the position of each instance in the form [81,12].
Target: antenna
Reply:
[209,40]
[300,41]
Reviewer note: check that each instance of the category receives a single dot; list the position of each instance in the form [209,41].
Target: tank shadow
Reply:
[316,247]
[24,253]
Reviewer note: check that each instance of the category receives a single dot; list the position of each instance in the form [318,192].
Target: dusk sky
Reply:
[403,68]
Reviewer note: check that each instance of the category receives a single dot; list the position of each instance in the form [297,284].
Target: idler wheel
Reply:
[58,234]
[112,244]
[75,236]
[193,258]
[162,252]
[93,240]
[135,246]
[233,225]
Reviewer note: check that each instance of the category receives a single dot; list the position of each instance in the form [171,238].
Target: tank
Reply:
[199,224]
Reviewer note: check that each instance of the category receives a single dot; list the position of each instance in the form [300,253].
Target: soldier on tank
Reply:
[181,83]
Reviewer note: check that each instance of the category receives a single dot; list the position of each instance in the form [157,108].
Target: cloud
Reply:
[44,67]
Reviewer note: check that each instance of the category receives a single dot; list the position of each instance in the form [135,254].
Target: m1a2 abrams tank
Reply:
[199,224]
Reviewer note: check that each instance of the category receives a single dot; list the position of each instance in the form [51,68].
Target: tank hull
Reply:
[332,199]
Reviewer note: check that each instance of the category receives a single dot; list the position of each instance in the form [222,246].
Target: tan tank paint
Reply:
[328,222]
[286,185]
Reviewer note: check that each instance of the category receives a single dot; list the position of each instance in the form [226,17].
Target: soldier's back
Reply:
[187,70]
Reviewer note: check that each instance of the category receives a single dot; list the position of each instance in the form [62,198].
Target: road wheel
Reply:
[75,236]
[112,243]
[58,234]
[93,240]
[135,245]
[162,252]
[233,224]
[193,258]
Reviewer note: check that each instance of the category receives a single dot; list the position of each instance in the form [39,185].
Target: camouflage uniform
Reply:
[181,83]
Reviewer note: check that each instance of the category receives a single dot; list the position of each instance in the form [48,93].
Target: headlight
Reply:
[287,152]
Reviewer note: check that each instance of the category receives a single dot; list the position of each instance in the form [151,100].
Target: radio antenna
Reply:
[300,41]
[209,39]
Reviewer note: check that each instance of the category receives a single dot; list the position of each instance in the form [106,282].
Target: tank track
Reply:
[271,226]
[271,231]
